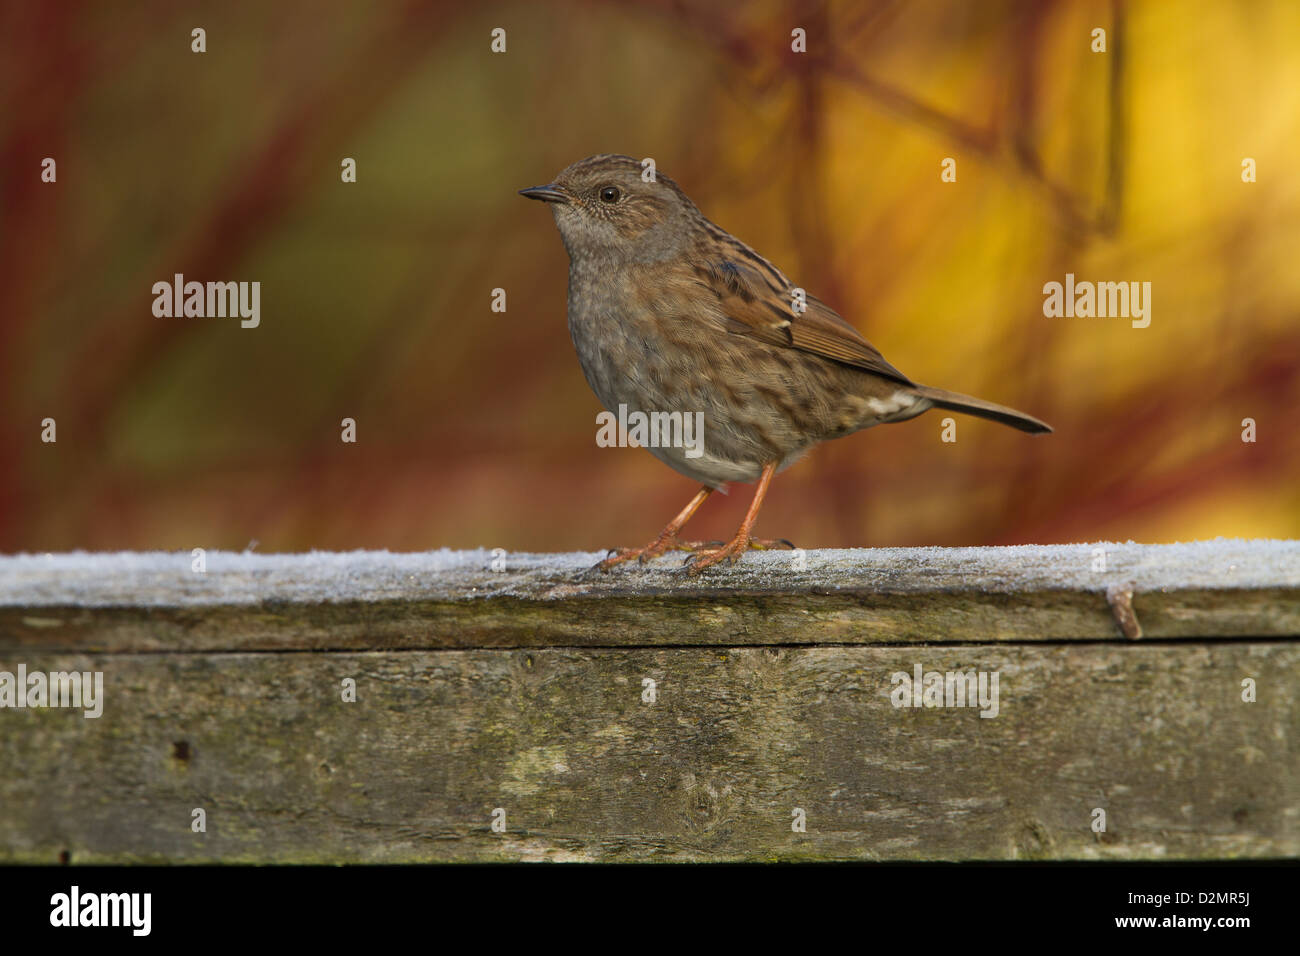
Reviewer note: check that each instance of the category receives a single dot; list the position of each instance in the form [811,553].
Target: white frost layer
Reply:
[165,579]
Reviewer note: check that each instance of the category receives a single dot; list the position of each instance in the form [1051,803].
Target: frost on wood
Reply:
[488,679]
[165,579]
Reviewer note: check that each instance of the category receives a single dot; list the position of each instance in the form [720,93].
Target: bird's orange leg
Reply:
[738,545]
[667,540]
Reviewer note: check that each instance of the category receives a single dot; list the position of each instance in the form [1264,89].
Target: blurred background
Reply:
[476,428]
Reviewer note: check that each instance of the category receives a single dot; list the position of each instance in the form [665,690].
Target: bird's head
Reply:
[607,208]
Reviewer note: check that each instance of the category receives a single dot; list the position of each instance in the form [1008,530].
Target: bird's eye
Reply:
[610,194]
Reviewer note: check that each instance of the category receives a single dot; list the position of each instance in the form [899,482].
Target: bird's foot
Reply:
[707,557]
[654,549]
[771,544]
[732,550]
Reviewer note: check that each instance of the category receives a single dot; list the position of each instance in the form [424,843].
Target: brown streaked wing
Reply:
[755,306]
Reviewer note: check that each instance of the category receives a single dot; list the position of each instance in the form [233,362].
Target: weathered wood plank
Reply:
[1157,735]
[521,688]
[375,600]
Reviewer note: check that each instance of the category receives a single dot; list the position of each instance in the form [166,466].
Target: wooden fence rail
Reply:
[1091,701]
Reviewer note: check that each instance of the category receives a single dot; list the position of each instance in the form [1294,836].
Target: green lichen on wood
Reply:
[1158,736]
[523,690]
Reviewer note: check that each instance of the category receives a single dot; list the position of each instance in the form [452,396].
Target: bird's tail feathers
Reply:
[982,409]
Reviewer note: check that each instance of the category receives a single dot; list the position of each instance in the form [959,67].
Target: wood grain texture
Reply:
[377,600]
[1156,736]
[524,692]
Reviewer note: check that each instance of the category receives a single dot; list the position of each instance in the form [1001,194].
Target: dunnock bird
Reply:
[669,313]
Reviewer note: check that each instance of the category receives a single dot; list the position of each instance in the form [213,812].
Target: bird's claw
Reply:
[617,556]
[707,557]
[768,544]
[731,552]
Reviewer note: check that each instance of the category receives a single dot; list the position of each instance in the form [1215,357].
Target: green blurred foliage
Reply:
[476,428]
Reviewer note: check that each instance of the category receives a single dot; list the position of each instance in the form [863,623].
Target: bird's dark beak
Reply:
[549,193]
